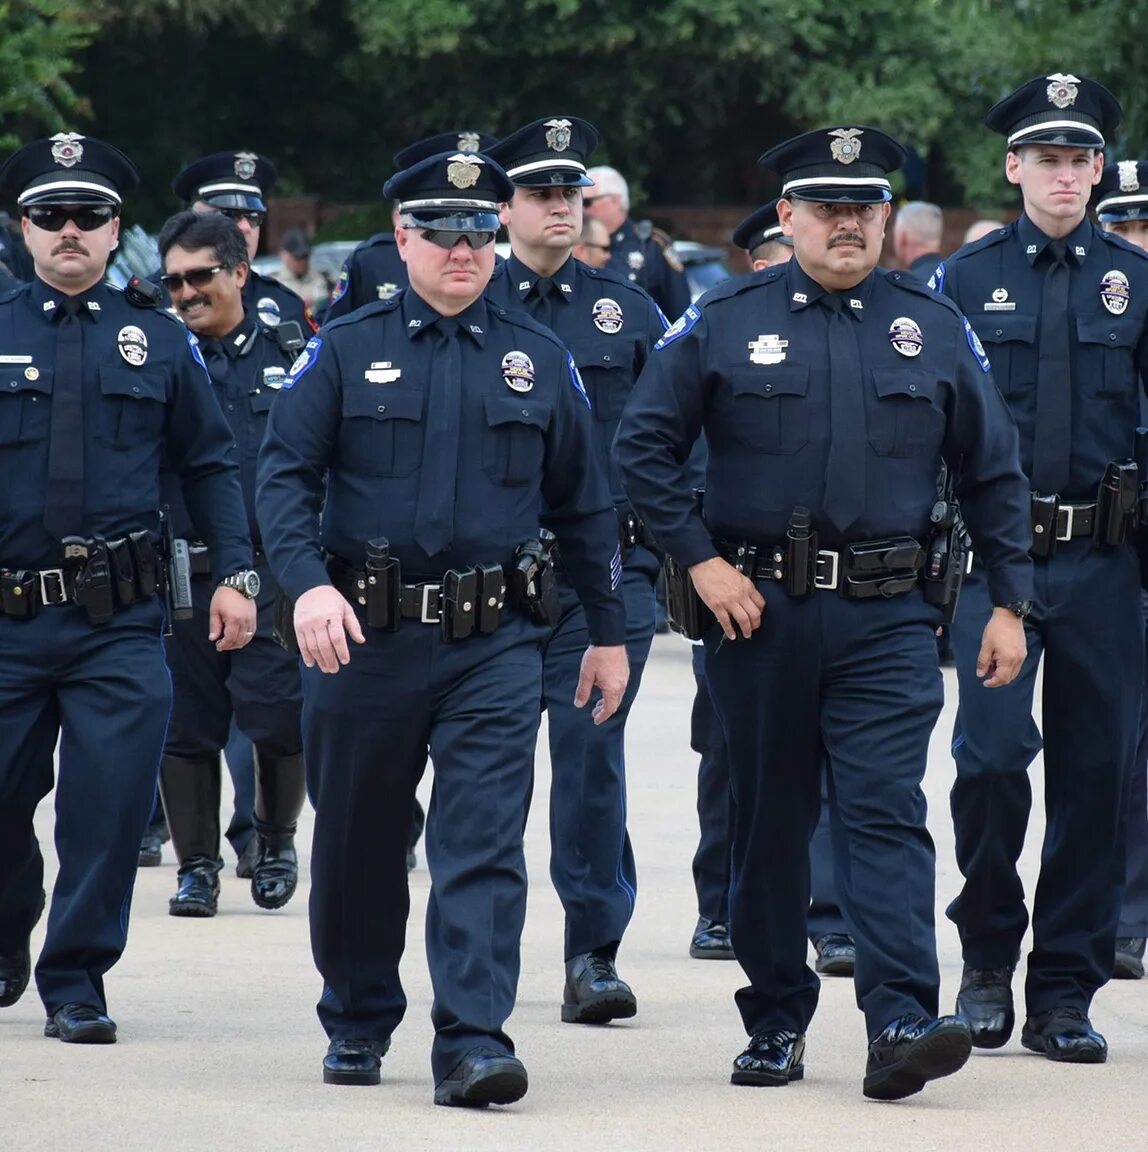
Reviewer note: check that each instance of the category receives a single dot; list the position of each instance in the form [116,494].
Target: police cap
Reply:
[67,169]
[837,165]
[227,180]
[1122,193]
[463,140]
[451,192]
[760,227]
[1061,109]
[548,152]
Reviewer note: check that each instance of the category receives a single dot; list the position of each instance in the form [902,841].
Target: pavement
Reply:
[220,1048]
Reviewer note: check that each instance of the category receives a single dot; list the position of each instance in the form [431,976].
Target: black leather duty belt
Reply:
[422,602]
[1072,520]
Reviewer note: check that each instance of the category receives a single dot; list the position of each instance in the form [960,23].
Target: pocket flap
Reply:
[516,410]
[1001,329]
[381,403]
[911,382]
[769,381]
[131,383]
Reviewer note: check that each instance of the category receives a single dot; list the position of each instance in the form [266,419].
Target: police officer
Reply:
[761,237]
[638,251]
[1063,308]
[609,326]
[828,391]
[421,528]
[205,266]
[918,230]
[1121,200]
[235,184]
[375,270]
[97,386]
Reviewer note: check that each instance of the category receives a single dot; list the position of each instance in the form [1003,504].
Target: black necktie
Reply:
[845,470]
[1052,449]
[215,358]
[541,301]
[64,502]
[434,513]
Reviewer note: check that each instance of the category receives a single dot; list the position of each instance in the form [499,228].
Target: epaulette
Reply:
[991,240]
[374,308]
[613,278]
[912,284]
[522,320]
[1118,241]
[12,293]
[736,285]
[377,239]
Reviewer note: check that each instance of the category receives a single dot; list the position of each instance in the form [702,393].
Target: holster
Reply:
[688,613]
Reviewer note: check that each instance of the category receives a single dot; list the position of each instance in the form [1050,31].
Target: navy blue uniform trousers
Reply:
[106,692]
[711,863]
[854,687]
[1134,913]
[476,706]
[591,860]
[1087,623]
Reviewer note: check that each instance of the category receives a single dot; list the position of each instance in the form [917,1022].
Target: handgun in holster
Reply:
[532,579]
[1116,503]
[93,589]
[176,572]
[946,558]
[688,613]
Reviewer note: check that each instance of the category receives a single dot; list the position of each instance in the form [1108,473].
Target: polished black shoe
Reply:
[151,850]
[245,864]
[16,965]
[1065,1035]
[354,1061]
[836,955]
[912,1051]
[711,941]
[276,872]
[1129,963]
[483,1077]
[985,1004]
[80,1024]
[595,993]
[198,891]
[772,1059]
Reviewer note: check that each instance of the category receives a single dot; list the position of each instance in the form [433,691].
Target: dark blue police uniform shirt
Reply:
[642,262]
[353,411]
[998,281]
[749,364]
[374,271]
[146,397]
[610,327]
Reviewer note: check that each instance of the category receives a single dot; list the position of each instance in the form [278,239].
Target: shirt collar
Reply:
[418,316]
[804,290]
[523,278]
[239,340]
[1034,241]
[46,301]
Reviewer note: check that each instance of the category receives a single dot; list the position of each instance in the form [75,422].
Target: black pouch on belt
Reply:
[491,597]
[457,608]
[123,572]
[1045,511]
[18,594]
[383,586]
[146,563]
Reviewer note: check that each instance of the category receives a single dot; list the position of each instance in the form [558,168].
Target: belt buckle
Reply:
[53,578]
[1070,513]
[834,560]
[428,591]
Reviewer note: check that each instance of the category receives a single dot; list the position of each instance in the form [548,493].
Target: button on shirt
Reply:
[354,411]
[997,282]
[145,396]
[751,368]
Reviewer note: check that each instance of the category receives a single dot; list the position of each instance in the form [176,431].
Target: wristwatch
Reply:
[1019,608]
[245,582]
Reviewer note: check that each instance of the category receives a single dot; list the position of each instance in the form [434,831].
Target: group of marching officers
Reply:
[402,536]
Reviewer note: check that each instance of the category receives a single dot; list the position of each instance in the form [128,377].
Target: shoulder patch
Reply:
[976,346]
[937,280]
[193,344]
[576,379]
[343,283]
[680,326]
[304,362]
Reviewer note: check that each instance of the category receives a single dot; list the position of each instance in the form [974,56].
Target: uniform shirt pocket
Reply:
[1106,368]
[903,420]
[1010,342]
[134,407]
[604,373]
[770,410]
[382,432]
[513,442]
[25,405]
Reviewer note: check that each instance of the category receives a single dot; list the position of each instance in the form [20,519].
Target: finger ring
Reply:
[250,632]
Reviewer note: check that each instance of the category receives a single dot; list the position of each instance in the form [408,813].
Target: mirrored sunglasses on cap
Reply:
[446,229]
[86,217]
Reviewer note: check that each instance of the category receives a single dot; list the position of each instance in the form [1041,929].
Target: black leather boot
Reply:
[190,789]
[280,789]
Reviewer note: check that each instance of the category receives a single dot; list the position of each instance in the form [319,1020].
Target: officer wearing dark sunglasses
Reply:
[96,387]
[234,184]
[440,427]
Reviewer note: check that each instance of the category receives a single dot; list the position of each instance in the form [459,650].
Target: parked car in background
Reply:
[705,265]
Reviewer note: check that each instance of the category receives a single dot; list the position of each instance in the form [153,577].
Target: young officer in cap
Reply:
[1121,200]
[1063,309]
[205,264]
[98,388]
[429,557]
[829,391]
[375,270]
[610,326]
[234,184]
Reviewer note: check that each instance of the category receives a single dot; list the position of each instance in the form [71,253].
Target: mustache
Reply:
[184,305]
[848,238]
[70,246]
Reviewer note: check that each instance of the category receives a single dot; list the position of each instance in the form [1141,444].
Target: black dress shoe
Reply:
[1065,1035]
[985,1003]
[198,891]
[483,1077]
[911,1052]
[595,993]
[275,874]
[1129,963]
[16,965]
[354,1061]
[151,850]
[80,1024]
[836,955]
[772,1059]
[711,941]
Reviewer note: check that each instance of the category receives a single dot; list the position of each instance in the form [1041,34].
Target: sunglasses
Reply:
[448,240]
[52,218]
[197,278]
[254,218]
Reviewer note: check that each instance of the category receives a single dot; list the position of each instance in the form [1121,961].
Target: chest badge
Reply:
[268,311]
[518,371]
[274,377]
[607,315]
[1000,302]
[132,344]
[905,336]
[381,372]
[767,350]
[1115,292]
[386,291]
[636,261]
